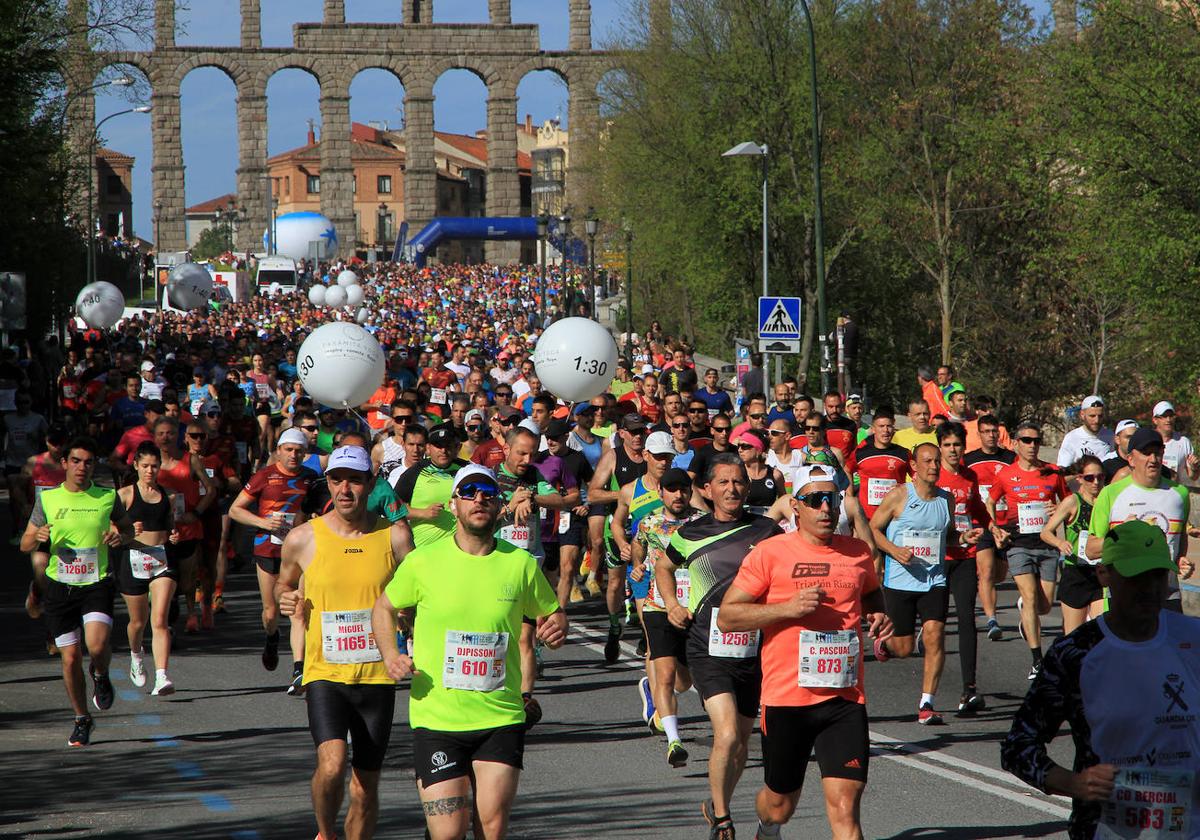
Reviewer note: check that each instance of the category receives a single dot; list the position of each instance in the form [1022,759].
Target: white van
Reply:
[276,269]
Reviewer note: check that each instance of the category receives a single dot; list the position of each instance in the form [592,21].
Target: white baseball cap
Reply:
[474,414]
[349,458]
[472,471]
[660,443]
[1126,424]
[295,436]
[810,474]
[531,426]
[1092,401]
[1162,407]
[647,368]
[147,366]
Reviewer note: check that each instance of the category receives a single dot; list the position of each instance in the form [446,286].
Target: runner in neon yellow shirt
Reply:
[471,593]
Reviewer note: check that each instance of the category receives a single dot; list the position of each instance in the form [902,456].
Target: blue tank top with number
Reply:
[922,526]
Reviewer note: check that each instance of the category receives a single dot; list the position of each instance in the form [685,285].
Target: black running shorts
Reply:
[713,675]
[439,756]
[836,728]
[904,606]
[360,714]
[664,638]
[1079,586]
[65,607]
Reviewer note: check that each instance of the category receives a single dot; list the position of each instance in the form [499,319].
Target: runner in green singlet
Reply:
[1080,594]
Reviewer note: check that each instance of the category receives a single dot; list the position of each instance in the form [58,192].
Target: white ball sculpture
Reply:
[347,278]
[354,295]
[575,359]
[335,296]
[189,286]
[316,295]
[340,364]
[100,304]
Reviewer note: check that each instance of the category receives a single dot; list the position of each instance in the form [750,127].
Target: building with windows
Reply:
[113,192]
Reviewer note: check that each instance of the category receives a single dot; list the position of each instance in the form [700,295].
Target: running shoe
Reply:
[33,602]
[656,723]
[723,830]
[533,711]
[137,670]
[81,735]
[218,603]
[1020,623]
[1034,671]
[768,832]
[576,594]
[296,686]
[612,647]
[647,699]
[994,633]
[102,690]
[881,652]
[926,716]
[677,756]
[592,586]
[206,617]
[970,703]
[162,686]
[193,624]
[270,654]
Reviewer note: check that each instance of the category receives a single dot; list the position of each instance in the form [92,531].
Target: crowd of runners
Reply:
[760,547]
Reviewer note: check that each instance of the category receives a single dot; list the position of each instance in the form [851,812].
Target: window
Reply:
[354,184]
[383,184]
[314,184]
[115,187]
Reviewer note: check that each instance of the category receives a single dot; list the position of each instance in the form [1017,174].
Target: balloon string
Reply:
[354,411]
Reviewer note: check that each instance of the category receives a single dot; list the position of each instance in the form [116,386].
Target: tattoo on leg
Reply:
[441,807]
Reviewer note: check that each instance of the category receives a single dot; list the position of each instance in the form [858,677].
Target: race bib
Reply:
[474,661]
[243,451]
[69,392]
[828,660]
[518,535]
[211,474]
[1031,517]
[962,519]
[1081,548]
[346,637]
[564,521]
[437,396]
[262,389]
[740,645]
[288,519]
[683,588]
[926,546]
[985,492]
[713,412]
[877,490]
[77,566]
[196,406]
[1148,804]
[148,562]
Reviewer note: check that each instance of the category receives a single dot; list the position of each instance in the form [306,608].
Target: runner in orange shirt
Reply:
[808,592]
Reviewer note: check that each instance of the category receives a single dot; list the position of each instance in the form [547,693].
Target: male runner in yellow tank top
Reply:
[346,557]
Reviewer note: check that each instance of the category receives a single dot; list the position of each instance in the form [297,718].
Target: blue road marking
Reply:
[127,695]
[215,802]
[188,770]
[148,720]
[162,739]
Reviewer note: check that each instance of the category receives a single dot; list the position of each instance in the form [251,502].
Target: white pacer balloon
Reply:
[189,286]
[316,295]
[347,278]
[363,316]
[340,364]
[354,295]
[100,304]
[335,296]
[575,359]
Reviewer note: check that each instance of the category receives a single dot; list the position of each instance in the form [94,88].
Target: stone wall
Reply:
[417,52]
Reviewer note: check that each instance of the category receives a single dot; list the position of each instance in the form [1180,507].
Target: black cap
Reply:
[158,407]
[1144,438]
[675,479]
[556,428]
[443,436]
[630,422]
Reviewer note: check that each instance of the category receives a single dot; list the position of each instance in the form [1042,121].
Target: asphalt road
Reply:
[229,755]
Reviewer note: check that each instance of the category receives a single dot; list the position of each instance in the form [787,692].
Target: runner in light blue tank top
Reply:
[921,526]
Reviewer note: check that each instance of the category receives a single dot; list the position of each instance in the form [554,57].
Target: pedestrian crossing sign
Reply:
[779,317]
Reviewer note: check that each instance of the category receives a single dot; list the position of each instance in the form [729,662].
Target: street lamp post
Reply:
[629,294]
[564,230]
[158,208]
[752,149]
[818,222]
[543,227]
[592,224]
[91,164]
[380,237]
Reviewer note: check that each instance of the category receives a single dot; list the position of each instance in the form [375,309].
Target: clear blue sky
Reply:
[208,97]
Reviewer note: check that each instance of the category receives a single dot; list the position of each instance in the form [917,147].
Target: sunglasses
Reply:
[197,435]
[758,416]
[697,410]
[402,418]
[471,490]
[511,421]
[817,499]
[310,428]
[680,425]
[636,432]
[216,413]
[504,393]
[1090,479]
[721,430]
[742,447]
[1030,439]
[776,432]
[812,429]
[474,427]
